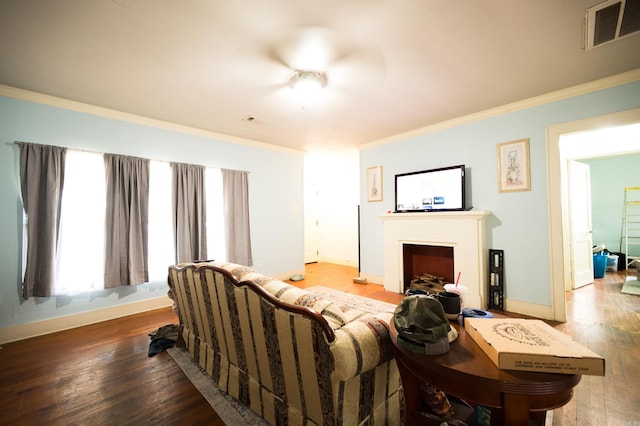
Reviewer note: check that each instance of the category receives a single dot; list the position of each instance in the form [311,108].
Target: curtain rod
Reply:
[111,153]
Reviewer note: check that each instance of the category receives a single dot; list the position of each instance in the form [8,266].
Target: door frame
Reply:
[558,210]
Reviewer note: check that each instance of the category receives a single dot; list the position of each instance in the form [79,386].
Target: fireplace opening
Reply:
[420,260]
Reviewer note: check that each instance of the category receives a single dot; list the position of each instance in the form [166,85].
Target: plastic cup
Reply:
[458,289]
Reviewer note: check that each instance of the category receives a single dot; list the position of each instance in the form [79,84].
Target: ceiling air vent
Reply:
[612,20]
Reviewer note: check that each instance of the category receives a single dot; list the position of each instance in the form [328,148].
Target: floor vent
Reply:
[611,21]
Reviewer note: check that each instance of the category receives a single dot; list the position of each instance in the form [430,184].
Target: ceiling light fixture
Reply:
[308,82]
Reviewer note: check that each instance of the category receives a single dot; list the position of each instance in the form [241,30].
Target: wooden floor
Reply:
[101,374]
[98,375]
[607,321]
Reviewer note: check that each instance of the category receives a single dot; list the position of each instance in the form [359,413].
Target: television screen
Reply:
[430,190]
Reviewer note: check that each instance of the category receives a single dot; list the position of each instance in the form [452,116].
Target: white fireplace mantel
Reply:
[463,231]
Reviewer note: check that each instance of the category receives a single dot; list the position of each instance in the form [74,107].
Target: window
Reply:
[80,263]
[216,247]
[81,244]
[161,251]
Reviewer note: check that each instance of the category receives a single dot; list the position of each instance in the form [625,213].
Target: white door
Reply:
[580,216]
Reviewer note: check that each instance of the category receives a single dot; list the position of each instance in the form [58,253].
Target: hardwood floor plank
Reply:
[600,317]
[101,375]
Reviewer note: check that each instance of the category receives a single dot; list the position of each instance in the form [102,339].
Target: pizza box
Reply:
[532,345]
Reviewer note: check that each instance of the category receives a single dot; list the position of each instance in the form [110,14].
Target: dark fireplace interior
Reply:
[420,259]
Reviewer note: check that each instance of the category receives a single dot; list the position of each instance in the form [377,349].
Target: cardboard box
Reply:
[532,345]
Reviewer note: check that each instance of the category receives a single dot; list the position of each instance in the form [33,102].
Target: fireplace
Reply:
[462,233]
[419,259]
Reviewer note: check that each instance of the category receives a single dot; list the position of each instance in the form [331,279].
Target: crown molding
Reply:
[604,83]
[54,101]
[558,95]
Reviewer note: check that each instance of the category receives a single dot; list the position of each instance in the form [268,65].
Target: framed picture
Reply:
[374,183]
[513,166]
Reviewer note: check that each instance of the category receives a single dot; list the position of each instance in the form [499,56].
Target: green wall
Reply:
[519,222]
[609,177]
[275,180]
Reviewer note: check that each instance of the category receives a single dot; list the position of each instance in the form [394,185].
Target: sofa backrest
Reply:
[269,354]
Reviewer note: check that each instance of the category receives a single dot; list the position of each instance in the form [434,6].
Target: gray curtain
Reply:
[126,221]
[189,212]
[235,188]
[41,183]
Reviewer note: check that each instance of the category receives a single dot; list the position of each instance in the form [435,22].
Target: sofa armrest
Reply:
[362,345]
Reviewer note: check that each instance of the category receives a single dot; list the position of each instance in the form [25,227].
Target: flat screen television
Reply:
[440,189]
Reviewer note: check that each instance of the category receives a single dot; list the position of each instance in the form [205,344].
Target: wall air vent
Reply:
[612,20]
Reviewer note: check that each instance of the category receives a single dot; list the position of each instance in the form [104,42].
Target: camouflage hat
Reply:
[422,325]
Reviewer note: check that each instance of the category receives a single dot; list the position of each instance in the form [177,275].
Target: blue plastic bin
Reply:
[599,264]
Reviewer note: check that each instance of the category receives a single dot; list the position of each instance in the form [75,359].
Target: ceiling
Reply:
[392,66]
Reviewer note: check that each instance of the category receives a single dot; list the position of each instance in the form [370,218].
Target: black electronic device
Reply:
[440,189]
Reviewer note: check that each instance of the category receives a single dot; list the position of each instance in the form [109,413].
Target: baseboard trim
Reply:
[374,279]
[337,261]
[284,276]
[39,328]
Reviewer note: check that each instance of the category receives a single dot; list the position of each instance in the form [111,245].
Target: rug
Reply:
[631,286]
[230,411]
[343,298]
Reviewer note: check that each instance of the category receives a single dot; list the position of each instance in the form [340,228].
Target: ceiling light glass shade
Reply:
[308,82]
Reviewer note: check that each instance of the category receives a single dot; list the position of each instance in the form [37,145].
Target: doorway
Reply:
[561,149]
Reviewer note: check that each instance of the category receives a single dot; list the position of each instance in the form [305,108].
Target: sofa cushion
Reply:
[297,296]
[238,271]
[290,294]
[329,310]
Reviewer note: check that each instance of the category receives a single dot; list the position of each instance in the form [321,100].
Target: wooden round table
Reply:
[467,373]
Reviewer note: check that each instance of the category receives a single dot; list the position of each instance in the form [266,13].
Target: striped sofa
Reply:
[291,357]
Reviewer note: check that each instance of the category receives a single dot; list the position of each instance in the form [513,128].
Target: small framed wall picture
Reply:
[513,166]
[374,183]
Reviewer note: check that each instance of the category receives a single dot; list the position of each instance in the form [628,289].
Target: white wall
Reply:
[334,176]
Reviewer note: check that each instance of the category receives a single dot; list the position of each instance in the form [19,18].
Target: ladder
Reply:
[630,236]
